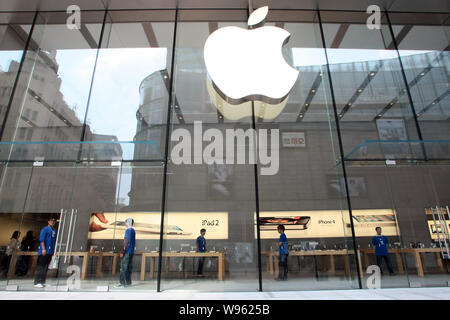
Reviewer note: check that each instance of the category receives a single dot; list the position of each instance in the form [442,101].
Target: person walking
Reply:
[126,266]
[47,241]
[201,247]
[12,247]
[27,244]
[283,254]
[380,243]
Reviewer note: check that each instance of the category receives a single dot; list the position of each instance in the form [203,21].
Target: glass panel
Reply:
[372,104]
[420,196]
[218,197]
[369,90]
[51,96]
[130,90]
[12,43]
[305,193]
[139,197]
[15,179]
[424,50]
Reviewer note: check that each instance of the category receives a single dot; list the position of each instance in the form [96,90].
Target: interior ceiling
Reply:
[360,5]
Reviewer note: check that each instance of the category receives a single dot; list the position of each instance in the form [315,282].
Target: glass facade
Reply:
[119,118]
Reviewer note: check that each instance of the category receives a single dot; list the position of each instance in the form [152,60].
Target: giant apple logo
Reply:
[248,65]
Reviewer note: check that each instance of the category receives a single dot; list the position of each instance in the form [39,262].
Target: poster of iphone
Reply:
[327,223]
[177,225]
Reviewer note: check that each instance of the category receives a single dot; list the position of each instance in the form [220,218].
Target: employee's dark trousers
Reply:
[388,262]
[201,260]
[282,266]
[126,268]
[42,268]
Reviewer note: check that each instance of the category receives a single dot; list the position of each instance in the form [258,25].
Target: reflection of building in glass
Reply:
[46,117]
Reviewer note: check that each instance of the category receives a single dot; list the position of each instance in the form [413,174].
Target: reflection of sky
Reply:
[115,93]
[6,57]
[304,57]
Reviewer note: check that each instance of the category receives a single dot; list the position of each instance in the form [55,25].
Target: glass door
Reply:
[14,185]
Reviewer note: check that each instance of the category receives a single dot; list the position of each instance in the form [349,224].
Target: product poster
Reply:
[178,225]
[326,223]
[438,228]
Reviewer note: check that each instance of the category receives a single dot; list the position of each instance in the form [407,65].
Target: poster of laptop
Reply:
[178,225]
[326,223]
[393,129]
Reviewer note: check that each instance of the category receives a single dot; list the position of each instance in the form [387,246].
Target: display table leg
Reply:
[84,266]
[114,266]
[167,265]
[98,274]
[361,268]
[33,264]
[220,267]
[419,265]
[439,261]
[399,263]
[277,272]
[347,265]
[271,263]
[366,260]
[332,265]
[12,266]
[152,267]
[143,267]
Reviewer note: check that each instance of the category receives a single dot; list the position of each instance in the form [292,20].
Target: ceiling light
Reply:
[313,90]
[372,74]
[306,104]
[422,74]
[359,90]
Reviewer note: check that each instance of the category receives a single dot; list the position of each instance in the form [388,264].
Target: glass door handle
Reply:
[59,237]
[68,236]
[73,230]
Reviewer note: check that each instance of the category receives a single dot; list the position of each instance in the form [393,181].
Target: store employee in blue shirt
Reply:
[47,242]
[283,254]
[201,247]
[126,265]
[380,243]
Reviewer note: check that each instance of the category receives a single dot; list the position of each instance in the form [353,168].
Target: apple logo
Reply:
[248,65]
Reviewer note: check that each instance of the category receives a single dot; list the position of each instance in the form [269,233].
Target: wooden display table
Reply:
[153,255]
[84,254]
[271,262]
[418,258]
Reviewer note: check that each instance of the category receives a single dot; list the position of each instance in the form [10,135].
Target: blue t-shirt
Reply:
[48,237]
[284,249]
[201,242]
[380,244]
[130,234]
